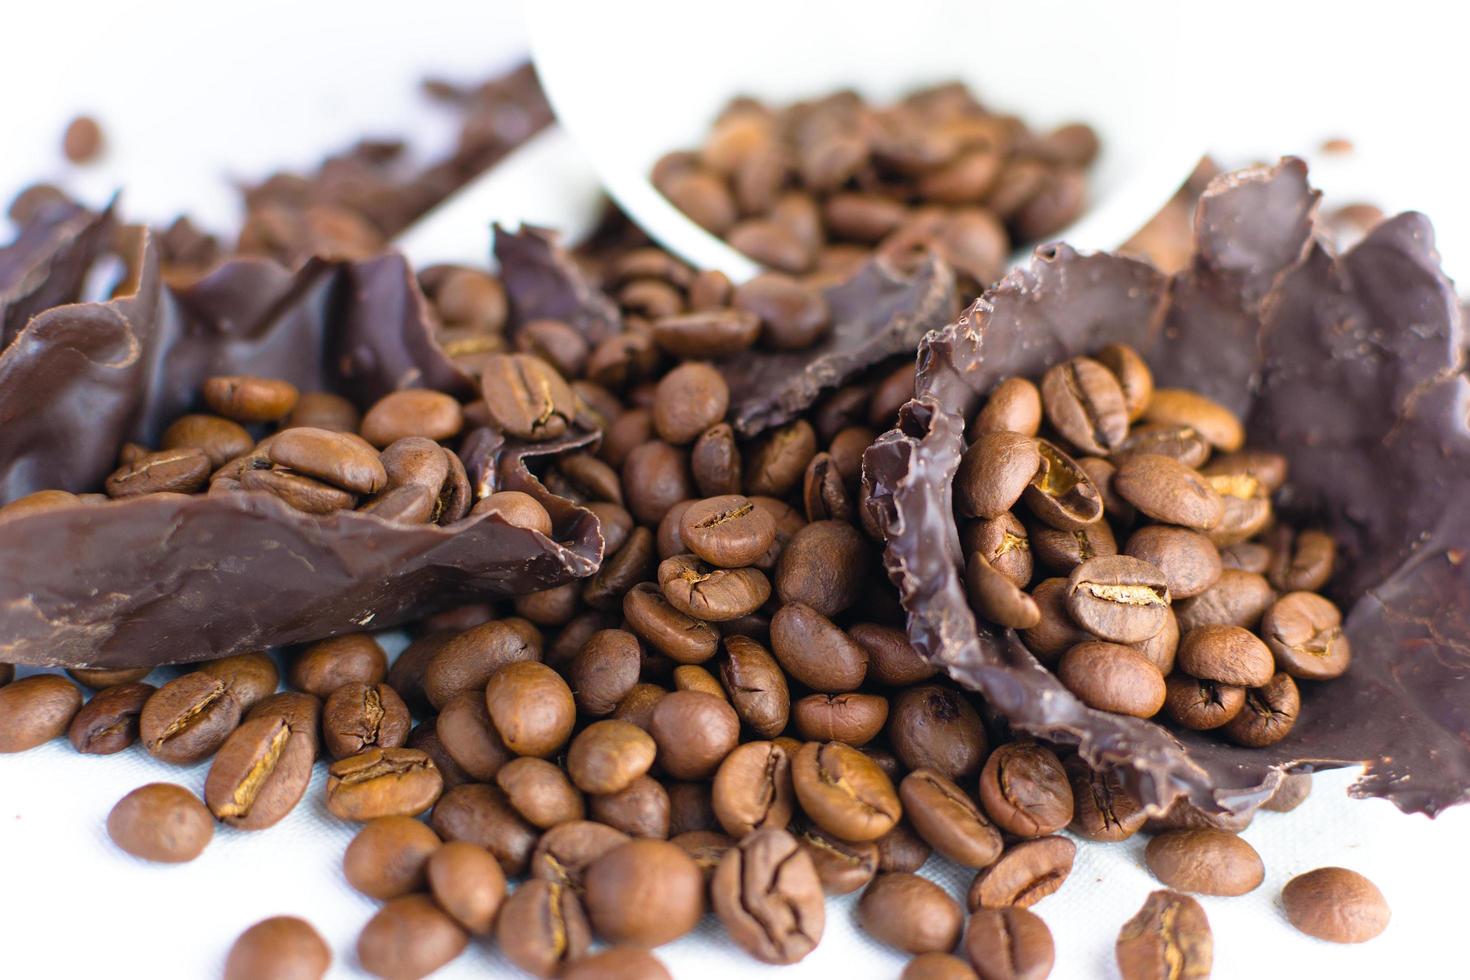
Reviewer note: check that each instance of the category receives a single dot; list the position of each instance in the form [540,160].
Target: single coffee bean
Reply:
[1190,563]
[824,494]
[688,677]
[321,410]
[1025,874]
[109,722]
[774,466]
[689,399]
[1118,598]
[617,963]
[1238,598]
[607,756]
[1111,677]
[1205,862]
[260,773]
[325,666]
[844,792]
[949,820]
[814,651]
[694,732]
[246,398]
[892,659]
[669,631]
[910,913]
[542,928]
[756,685]
[532,708]
[752,789]
[1301,562]
[220,439]
[187,719]
[640,809]
[902,850]
[409,937]
[167,471]
[1304,633]
[1227,654]
[338,458]
[1004,542]
[526,398]
[1009,944]
[934,727]
[466,881]
[1177,406]
[382,783]
[248,677]
[712,594]
[937,966]
[466,662]
[647,892]
[1025,790]
[97,678]
[994,472]
[358,717]
[825,565]
[728,531]
[1161,648]
[1084,402]
[1104,809]
[540,792]
[1178,442]
[1062,551]
[1061,493]
[638,706]
[482,815]
[855,719]
[842,866]
[768,896]
[994,597]
[412,412]
[1290,794]
[1055,633]
[655,477]
[1133,375]
[1168,491]
[1169,938]
[1269,713]
[516,509]
[467,734]
[161,822]
[389,857]
[564,852]
[1335,904]
[712,333]
[1247,507]
[715,461]
[1201,705]
[300,492]
[1014,406]
[415,461]
[282,948]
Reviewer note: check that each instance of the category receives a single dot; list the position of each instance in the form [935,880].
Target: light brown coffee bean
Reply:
[260,773]
[382,783]
[1238,598]
[1204,861]
[1168,491]
[1178,406]
[1061,493]
[246,398]
[409,937]
[338,458]
[994,472]
[36,709]
[1105,809]
[1168,939]
[1227,654]
[358,717]
[1014,406]
[855,719]
[466,881]
[752,789]
[694,733]
[168,471]
[1084,402]
[109,722]
[1133,375]
[283,947]
[220,439]
[526,397]
[1025,790]
[1269,714]
[1025,874]
[1189,561]
[647,892]
[1009,944]
[910,913]
[1111,677]
[389,857]
[607,756]
[325,666]
[540,792]
[187,719]
[948,820]
[1335,904]
[412,412]
[756,685]
[1118,598]
[844,792]
[1304,633]
[531,706]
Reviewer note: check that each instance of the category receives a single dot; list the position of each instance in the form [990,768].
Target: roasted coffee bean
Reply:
[467,661]
[1227,654]
[902,850]
[1161,648]
[1062,551]
[564,852]
[852,718]
[526,398]
[1205,862]
[712,594]
[650,298]
[1267,467]
[161,822]
[1177,406]
[825,566]
[1025,790]
[338,458]
[1112,677]
[1104,808]
[694,732]
[1169,938]
[996,598]
[617,963]
[1178,442]
[409,937]
[389,857]
[97,678]
[1025,874]
[220,439]
[1060,492]
[549,607]
[607,756]
[647,892]
[935,727]
[1168,491]
[844,792]
[1118,598]
[297,491]
[604,671]
[1269,713]
[788,522]
[948,820]
[1009,944]
[994,472]
[482,815]
[814,651]
[638,706]
[1201,705]
[109,722]
[655,477]
[1084,402]
[775,465]
[756,685]
[187,719]
[728,531]
[321,410]
[892,659]
[846,451]
[688,677]
[1238,598]
[1003,542]
[282,948]
[358,717]
[468,735]
[792,315]
[1304,633]
[1190,563]
[1335,904]
[937,966]
[540,792]
[1247,507]
[842,866]
[1055,633]
[542,928]
[669,538]
[166,471]
[415,461]
[382,783]
[689,399]
[714,461]
[691,807]
[245,398]
[412,412]
[516,509]
[1133,376]
[325,666]
[640,809]
[531,706]
[248,677]
[714,333]
[555,342]
[910,913]
[752,789]
[466,881]
[1014,406]
[260,773]
[1290,794]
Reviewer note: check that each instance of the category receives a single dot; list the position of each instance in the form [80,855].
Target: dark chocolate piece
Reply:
[45,265]
[543,282]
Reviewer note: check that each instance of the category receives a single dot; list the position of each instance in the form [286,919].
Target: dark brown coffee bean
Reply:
[1178,442]
[389,857]
[556,343]
[1025,874]
[260,773]
[382,783]
[1177,406]
[1055,633]
[1060,492]
[617,963]
[1304,633]
[689,399]
[1205,862]
[855,719]
[1118,598]
[910,913]
[640,809]
[526,398]
[325,666]
[1101,472]
[187,719]
[358,717]
[542,927]
[282,948]
[775,465]
[937,966]
[549,607]
[768,896]
[994,472]
[756,685]
[712,594]
[694,732]
[248,677]
[647,892]
[949,820]
[825,566]
[666,629]
[1190,563]
[1201,705]
[1269,713]
[97,678]
[862,217]
[607,756]
[1335,904]
[605,671]
[1084,402]
[842,866]
[531,706]
[715,461]
[935,727]
[997,599]
[167,471]
[713,333]
[1227,654]
[540,792]
[1062,551]
[1104,808]
[1112,677]
[109,722]
[669,537]
[220,439]
[892,659]
[1009,944]
[338,458]
[468,735]
[752,789]
[1169,938]
[691,808]
[245,398]
[467,882]
[1290,794]
[300,492]
[902,850]
[1025,790]
[1014,406]
[466,662]
[161,822]
[1168,491]
[815,652]
[655,477]
[728,531]
[565,851]
[482,815]
[844,792]
[321,410]
[409,937]
[1238,598]
[625,433]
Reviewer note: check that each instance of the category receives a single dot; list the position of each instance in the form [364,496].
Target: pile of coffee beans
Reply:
[1129,537]
[820,185]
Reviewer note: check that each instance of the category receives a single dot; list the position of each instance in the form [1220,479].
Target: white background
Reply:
[192,95]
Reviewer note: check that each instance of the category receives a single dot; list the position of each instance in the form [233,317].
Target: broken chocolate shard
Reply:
[46,264]
[543,282]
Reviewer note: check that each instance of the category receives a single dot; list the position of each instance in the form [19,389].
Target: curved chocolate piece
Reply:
[1352,367]
[45,265]
[542,281]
